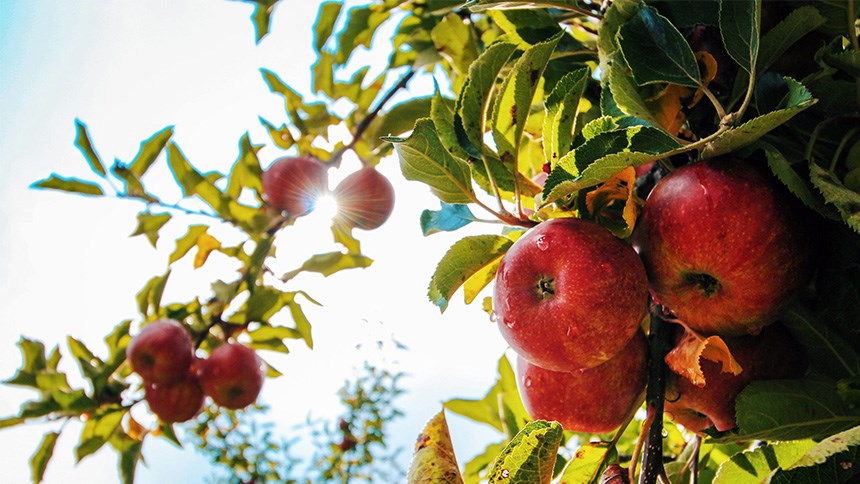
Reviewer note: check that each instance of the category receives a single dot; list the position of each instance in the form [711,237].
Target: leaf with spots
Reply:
[562,109]
[465,258]
[588,464]
[433,460]
[530,457]
[754,466]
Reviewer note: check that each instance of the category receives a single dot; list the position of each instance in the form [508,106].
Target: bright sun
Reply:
[325,208]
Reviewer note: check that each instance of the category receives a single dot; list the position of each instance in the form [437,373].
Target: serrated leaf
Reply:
[98,429]
[74,185]
[685,358]
[656,52]
[448,218]
[845,200]
[455,41]
[780,167]
[472,471]
[433,460]
[588,463]
[625,92]
[530,457]
[282,137]
[562,109]
[423,158]
[185,243]
[85,146]
[39,460]
[149,224]
[792,28]
[514,100]
[832,355]
[329,263]
[466,257]
[797,100]
[827,448]
[149,151]
[754,466]
[303,326]
[325,22]
[739,26]
[792,410]
[399,119]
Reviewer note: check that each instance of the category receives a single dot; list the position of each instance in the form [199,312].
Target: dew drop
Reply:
[528,382]
[493,317]
[542,243]
[506,473]
[510,323]
[664,433]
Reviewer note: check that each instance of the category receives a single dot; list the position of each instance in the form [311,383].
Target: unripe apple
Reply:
[161,352]
[175,402]
[365,199]
[569,295]
[232,375]
[294,184]
[595,400]
[726,247]
[772,354]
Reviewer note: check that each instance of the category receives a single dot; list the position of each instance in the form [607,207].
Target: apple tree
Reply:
[671,196]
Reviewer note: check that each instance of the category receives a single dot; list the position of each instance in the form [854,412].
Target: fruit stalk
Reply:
[659,344]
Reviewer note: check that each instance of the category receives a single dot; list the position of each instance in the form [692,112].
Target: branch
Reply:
[659,344]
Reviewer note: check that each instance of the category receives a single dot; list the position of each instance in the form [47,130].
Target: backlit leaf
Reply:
[205,245]
[433,460]
[185,243]
[325,22]
[149,224]
[85,145]
[448,218]
[329,263]
[588,463]
[191,181]
[98,429]
[530,457]
[74,185]
[149,151]
[39,460]
[755,466]
[562,108]
[466,257]
[486,410]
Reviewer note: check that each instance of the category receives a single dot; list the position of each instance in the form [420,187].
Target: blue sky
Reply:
[68,266]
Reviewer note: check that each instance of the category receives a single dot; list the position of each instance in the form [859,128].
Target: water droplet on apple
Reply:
[493,317]
[528,382]
[569,330]
[664,433]
[510,323]
[542,243]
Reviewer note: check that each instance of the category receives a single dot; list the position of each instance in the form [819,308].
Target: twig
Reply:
[659,344]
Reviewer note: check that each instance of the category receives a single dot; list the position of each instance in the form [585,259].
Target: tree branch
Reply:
[659,344]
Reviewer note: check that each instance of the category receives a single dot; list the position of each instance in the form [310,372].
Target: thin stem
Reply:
[735,117]
[171,206]
[492,178]
[694,463]
[721,112]
[852,29]
[841,146]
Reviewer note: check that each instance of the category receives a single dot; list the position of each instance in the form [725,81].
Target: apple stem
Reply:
[659,344]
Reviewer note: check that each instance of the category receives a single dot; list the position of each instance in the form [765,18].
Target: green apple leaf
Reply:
[361,24]
[399,119]
[625,93]
[792,28]
[799,186]
[604,155]
[40,458]
[85,146]
[833,460]
[845,200]
[34,362]
[448,219]
[433,460]
[561,110]
[423,158]
[486,410]
[514,100]
[455,41]
[73,185]
[325,22]
[129,450]
[739,26]
[98,429]
[329,263]
[149,151]
[656,51]
[482,5]
[472,471]
[588,463]
[191,181]
[754,466]
[530,457]
[792,410]
[466,257]
[149,224]
[187,242]
[827,351]
[618,13]
[246,171]
[149,297]
[797,99]
[472,104]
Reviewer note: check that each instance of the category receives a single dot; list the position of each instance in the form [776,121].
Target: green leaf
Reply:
[588,464]
[472,104]
[466,257]
[792,410]
[149,298]
[329,263]
[433,460]
[149,151]
[272,338]
[530,457]
[33,355]
[739,26]
[187,242]
[11,422]
[398,119]
[604,155]
[625,92]
[262,17]
[39,460]
[448,219]
[324,24]
[829,447]
[191,181]
[133,186]
[514,100]
[792,28]
[473,469]
[246,171]
[98,429]
[845,200]
[833,460]
[755,466]
[827,351]
[303,326]
[361,24]
[504,393]
[562,109]
[423,158]
[656,51]
[74,185]
[455,41]
[482,5]
[797,100]
[82,141]
[149,224]
[129,450]
[780,167]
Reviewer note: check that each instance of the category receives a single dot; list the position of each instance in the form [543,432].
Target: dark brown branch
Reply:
[659,344]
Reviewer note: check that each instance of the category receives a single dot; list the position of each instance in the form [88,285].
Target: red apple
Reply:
[569,295]
[294,184]
[726,247]
[365,199]
[175,402]
[232,375]
[595,400]
[772,354]
[161,352]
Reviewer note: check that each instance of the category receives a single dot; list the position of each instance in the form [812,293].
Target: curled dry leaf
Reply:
[684,359]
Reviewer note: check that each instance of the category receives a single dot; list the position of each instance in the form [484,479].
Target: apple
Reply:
[569,295]
[772,354]
[232,375]
[365,199]
[161,353]
[175,402]
[726,247]
[294,183]
[594,400]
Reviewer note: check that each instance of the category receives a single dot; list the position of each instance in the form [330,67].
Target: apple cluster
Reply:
[720,246]
[365,198]
[176,382]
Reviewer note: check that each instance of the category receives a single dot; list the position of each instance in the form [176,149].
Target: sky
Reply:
[69,267]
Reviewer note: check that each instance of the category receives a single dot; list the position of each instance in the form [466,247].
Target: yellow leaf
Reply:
[205,245]
[618,188]
[684,359]
[433,460]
